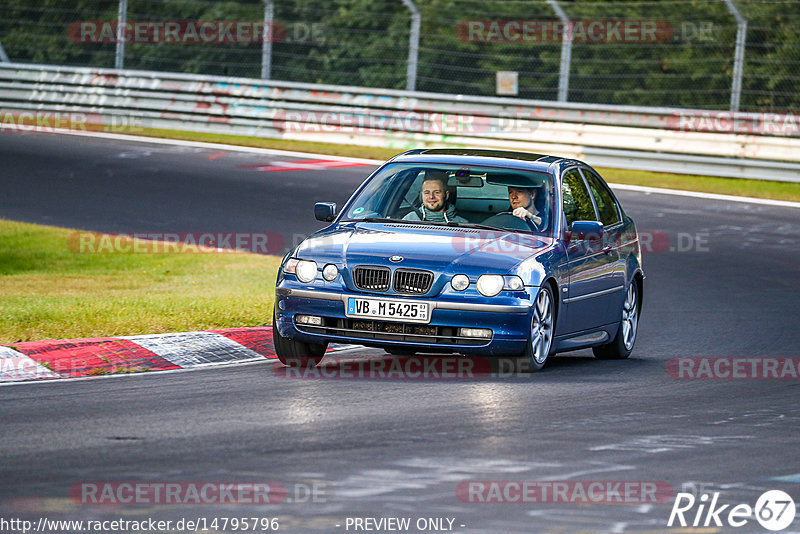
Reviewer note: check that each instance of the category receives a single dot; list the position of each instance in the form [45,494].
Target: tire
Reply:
[622,344]
[540,340]
[293,353]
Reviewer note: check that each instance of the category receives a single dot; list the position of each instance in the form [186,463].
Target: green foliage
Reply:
[365,43]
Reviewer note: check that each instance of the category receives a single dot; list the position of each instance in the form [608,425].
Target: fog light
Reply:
[330,272]
[309,319]
[475,332]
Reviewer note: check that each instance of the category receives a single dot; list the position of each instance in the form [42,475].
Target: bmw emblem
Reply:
[395,259]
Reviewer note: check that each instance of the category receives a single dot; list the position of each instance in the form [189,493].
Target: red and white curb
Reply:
[71,358]
[303,165]
[17,366]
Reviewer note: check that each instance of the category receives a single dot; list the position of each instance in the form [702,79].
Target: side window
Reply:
[412,195]
[609,214]
[577,203]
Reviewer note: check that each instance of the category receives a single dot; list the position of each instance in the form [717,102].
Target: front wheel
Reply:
[622,345]
[540,339]
[293,353]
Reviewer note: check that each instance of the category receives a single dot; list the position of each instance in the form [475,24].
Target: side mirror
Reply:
[586,230]
[325,211]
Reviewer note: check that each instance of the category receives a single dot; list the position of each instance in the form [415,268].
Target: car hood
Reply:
[446,250]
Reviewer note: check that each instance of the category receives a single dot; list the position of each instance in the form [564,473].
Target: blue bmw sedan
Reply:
[469,251]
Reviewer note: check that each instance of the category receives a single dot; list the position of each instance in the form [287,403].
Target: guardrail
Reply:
[746,145]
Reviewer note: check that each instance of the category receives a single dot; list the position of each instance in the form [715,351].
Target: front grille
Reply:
[375,331]
[371,278]
[411,281]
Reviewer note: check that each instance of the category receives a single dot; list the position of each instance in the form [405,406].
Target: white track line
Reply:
[708,196]
[218,146]
[290,153]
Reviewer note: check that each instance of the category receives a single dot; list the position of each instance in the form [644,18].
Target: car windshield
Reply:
[509,199]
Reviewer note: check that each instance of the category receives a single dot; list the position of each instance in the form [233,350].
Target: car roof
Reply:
[475,156]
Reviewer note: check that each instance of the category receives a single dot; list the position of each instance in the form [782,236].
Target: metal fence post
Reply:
[413,46]
[3,55]
[122,15]
[566,51]
[738,58]
[268,35]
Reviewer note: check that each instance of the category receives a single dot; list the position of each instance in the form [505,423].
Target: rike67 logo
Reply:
[774,510]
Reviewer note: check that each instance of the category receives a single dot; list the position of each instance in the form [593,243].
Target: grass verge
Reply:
[48,291]
[704,184]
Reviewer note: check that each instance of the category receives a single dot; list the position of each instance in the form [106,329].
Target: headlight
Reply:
[305,270]
[490,285]
[330,272]
[460,282]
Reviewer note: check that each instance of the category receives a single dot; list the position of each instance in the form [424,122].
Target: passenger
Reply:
[435,197]
[521,199]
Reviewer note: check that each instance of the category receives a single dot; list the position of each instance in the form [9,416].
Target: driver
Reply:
[521,199]
[435,200]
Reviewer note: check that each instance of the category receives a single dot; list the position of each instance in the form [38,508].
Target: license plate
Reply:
[393,310]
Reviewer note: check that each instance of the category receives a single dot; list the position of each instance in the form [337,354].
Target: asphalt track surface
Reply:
[725,286]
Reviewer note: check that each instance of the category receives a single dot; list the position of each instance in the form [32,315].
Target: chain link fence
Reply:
[680,53]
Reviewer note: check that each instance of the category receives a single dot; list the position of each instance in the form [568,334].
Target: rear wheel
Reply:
[540,339]
[292,353]
[622,345]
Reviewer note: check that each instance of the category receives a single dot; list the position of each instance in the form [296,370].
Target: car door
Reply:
[591,262]
[613,232]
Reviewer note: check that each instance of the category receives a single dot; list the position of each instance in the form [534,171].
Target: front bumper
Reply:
[508,319]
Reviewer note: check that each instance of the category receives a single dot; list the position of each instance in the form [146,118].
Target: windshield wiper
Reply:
[487,227]
[385,220]
[471,225]
[429,223]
